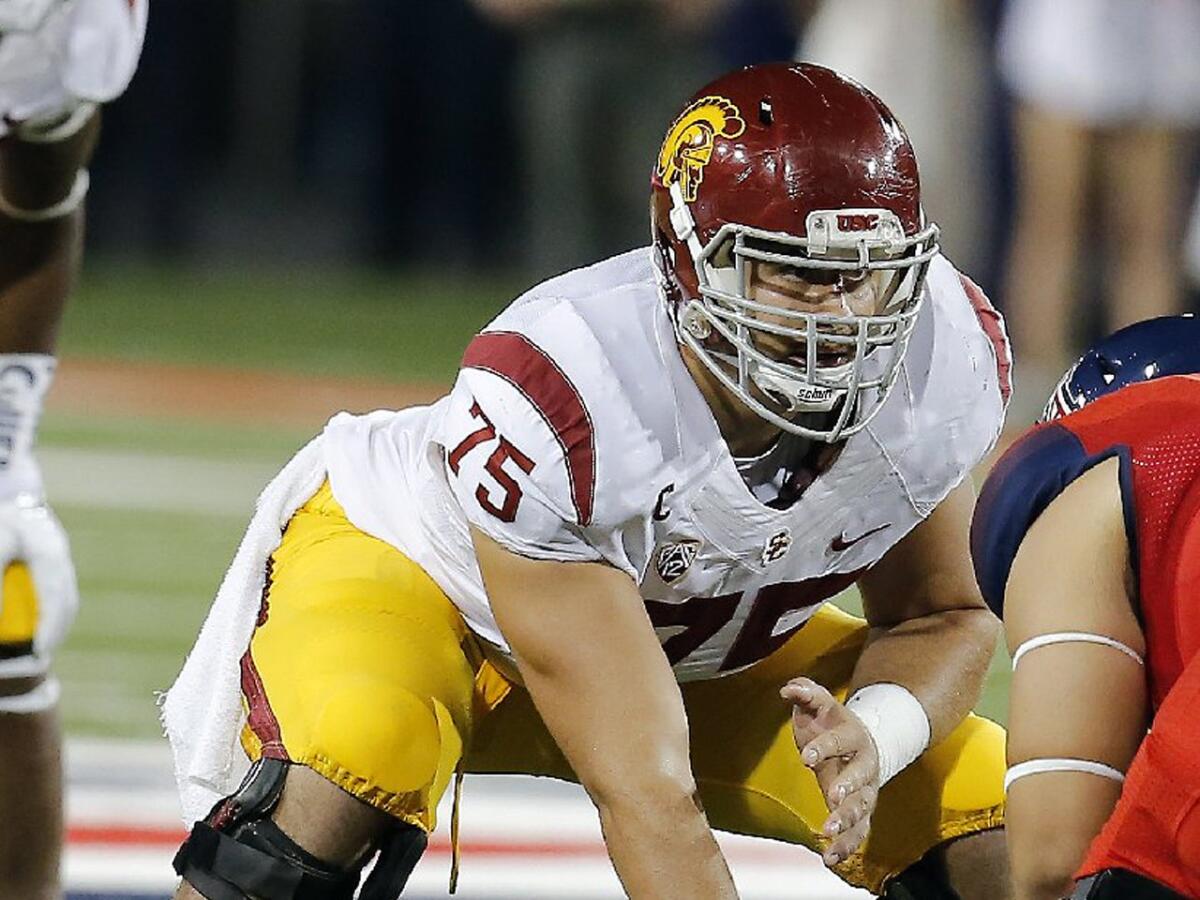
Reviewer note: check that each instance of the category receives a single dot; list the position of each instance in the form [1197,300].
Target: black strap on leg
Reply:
[263,862]
[926,879]
[239,852]
[1121,884]
[398,856]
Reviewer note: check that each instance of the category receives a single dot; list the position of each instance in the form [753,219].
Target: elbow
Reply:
[1042,879]
[663,792]
[1043,870]
[982,630]
[991,629]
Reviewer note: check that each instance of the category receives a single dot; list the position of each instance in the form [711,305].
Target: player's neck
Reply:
[745,432]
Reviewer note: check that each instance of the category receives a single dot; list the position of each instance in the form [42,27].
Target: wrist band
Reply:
[897,723]
[1061,764]
[64,207]
[24,380]
[51,131]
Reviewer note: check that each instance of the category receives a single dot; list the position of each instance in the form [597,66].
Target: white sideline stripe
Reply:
[106,479]
[131,783]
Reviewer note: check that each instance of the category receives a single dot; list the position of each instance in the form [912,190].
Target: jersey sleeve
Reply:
[1035,470]
[520,454]
[956,385]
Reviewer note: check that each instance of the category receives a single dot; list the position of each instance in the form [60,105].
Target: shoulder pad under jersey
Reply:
[1026,480]
[550,448]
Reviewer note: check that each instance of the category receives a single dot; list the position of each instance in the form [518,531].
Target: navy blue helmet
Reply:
[1168,345]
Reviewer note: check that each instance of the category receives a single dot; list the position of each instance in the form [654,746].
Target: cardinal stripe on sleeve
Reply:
[528,368]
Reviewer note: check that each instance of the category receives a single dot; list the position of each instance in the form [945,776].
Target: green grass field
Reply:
[149,561]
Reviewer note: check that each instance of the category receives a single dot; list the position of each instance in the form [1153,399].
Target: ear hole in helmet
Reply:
[722,255]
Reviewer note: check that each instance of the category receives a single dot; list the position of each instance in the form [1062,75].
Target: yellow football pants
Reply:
[362,669]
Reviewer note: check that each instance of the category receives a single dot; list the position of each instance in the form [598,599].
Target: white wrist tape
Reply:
[24,380]
[1061,764]
[41,698]
[897,723]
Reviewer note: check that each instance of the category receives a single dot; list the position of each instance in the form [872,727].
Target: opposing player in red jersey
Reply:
[59,60]
[1086,539]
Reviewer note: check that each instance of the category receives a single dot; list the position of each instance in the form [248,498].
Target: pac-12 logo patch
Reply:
[673,560]
[690,140]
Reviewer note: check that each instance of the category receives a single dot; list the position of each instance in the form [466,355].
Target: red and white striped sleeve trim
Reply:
[532,371]
[992,324]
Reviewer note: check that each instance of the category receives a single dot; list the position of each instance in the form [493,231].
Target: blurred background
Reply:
[301,206]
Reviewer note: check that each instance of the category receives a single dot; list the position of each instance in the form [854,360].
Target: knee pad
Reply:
[238,852]
[387,735]
[1120,884]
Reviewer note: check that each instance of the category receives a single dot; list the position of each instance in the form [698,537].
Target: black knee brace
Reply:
[1120,884]
[238,852]
[398,855]
[924,880]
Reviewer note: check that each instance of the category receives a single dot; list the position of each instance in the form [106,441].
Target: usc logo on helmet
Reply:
[690,140]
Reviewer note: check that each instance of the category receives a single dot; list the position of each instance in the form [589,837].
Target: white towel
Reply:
[202,712]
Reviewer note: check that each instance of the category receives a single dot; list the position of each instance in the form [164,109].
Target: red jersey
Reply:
[1153,428]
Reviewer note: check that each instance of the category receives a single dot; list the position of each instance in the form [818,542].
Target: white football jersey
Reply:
[80,51]
[574,432]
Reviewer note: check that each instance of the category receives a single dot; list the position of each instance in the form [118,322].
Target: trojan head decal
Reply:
[690,141]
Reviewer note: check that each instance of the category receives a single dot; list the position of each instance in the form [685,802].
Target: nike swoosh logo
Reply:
[840,543]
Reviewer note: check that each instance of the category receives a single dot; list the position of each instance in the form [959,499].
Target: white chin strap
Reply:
[797,395]
[1066,764]
[794,394]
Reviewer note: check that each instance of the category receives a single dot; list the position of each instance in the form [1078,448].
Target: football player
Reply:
[1087,540]
[605,554]
[59,59]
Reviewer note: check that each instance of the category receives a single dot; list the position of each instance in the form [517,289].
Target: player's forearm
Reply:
[41,231]
[662,847]
[38,269]
[942,658]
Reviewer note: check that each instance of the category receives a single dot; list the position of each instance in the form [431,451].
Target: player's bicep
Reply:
[593,666]
[1070,576]
[929,570]
[1072,700]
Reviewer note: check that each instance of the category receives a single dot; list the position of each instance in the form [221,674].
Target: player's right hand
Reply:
[31,534]
[835,744]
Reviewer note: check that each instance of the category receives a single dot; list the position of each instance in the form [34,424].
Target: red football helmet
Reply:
[794,166]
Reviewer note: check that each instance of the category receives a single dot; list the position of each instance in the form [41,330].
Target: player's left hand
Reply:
[834,743]
[30,533]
